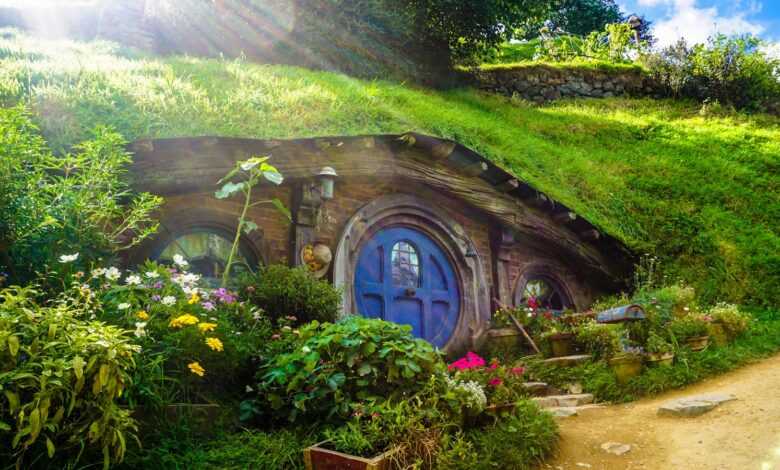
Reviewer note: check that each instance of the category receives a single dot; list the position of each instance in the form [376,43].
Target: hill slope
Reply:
[701,192]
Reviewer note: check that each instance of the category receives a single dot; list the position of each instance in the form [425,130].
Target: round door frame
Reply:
[554,273]
[409,211]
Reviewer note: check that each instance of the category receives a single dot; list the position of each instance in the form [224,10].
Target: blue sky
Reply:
[697,19]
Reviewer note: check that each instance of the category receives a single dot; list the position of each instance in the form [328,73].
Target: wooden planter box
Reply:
[562,344]
[698,343]
[626,368]
[317,457]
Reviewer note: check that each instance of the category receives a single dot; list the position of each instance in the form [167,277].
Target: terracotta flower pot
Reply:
[718,334]
[626,367]
[698,343]
[660,359]
[318,457]
[562,344]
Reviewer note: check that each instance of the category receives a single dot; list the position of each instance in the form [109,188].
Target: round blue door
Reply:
[403,276]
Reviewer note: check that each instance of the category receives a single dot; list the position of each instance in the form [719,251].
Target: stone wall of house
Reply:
[542,83]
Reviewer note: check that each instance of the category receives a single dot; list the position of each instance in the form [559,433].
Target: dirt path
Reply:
[739,435]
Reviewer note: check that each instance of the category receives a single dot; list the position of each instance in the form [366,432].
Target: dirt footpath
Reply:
[738,435]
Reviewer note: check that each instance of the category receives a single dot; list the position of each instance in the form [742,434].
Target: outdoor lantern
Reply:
[327,177]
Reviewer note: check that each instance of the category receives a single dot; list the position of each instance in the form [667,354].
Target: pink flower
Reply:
[495,382]
[469,361]
[493,365]
[208,306]
[276,336]
[532,303]
[518,370]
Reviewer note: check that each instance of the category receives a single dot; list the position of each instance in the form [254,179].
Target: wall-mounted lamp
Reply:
[327,178]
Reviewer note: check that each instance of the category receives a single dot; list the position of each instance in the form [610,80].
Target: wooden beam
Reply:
[590,235]
[473,169]
[565,217]
[508,185]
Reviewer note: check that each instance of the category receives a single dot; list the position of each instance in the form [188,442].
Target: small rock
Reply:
[616,448]
[694,405]
[575,388]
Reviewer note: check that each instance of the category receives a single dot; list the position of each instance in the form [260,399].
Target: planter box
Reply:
[503,343]
[562,344]
[626,368]
[698,343]
[660,359]
[318,457]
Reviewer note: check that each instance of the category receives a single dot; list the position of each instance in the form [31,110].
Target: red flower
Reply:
[495,382]
[533,303]
[518,370]
[470,361]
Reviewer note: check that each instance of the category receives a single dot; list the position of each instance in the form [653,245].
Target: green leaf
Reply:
[228,190]
[13,400]
[364,369]
[78,366]
[281,208]
[49,447]
[249,226]
[336,380]
[13,345]
[4,426]
[273,176]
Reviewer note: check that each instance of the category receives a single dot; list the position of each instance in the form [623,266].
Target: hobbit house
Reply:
[413,229]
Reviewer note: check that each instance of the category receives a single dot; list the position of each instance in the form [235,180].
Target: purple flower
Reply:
[158,285]
[156,298]
[224,296]
[208,306]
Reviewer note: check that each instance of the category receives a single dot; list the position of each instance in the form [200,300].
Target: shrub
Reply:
[78,205]
[336,365]
[282,291]
[499,383]
[613,44]
[734,322]
[601,341]
[61,378]
[729,70]
[689,326]
[656,344]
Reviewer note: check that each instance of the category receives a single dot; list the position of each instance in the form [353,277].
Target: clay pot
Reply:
[660,359]
[317,457]
[626,366]
[698,343]
[562,344]
[718,334]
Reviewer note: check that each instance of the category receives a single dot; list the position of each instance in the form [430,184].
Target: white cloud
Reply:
[772,49]
[685,19]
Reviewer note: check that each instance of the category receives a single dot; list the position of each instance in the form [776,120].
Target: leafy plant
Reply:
[733,320]
[601,341]
[282,291]
[614,43]
[61,376]
[335,365]
[493,384]
[252,171]
[656,344]
[689,326]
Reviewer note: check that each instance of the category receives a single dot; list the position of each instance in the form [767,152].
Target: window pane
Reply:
[207,253]
[406,265]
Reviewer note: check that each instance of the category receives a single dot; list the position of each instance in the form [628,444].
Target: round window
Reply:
[543,292]
[207,251]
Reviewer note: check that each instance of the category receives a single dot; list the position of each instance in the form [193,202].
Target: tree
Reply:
[581,17]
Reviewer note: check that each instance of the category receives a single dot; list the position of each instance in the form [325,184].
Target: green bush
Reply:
[61,378]
[77,205]
[727,70]
[332,366]
[601,341]
[734,322]
[689,326]
[282,291]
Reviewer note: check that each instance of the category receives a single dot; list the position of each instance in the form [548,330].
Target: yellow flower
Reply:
[194,299]
[196,368]
[214,343]
[206,327]
[183,320]
[142,315]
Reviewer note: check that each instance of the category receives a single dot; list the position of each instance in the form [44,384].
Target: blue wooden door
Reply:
[405,277]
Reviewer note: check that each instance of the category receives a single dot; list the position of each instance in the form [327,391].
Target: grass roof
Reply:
[700,191]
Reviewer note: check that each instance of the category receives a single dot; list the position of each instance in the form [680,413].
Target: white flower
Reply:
[152,274]
[98,272]
[686,309]
[249,164]
[168,300]
[123,306]
[133,280]
[139,329]
[112,274]
[179,260]
[306,349]
[69,258]
[249,389]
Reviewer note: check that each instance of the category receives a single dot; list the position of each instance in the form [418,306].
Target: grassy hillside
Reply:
[700,191]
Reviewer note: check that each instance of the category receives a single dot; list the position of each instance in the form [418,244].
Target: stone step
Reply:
[564,401]
[567,411]
[536,388]
[567,361]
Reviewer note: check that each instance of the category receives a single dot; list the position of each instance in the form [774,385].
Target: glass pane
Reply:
[405,264]
[207,253]
[545,293]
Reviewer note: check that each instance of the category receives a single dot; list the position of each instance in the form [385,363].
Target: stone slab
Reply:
[567,361]
[565,401]
[694,405]
[535,388]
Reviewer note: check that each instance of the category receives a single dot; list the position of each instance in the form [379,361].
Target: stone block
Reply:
[695,405]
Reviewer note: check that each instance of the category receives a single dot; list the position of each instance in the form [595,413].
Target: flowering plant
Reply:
[499,383]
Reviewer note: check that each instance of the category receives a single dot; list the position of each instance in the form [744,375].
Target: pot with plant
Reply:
[503,340]
[561,341]
[727,323]
[693,329]
[361,444]
[659,351]
[627,364]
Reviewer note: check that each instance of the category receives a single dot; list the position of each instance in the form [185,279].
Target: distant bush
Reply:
[61,377]
[282,291]
[732,71]
[615,43]
[332,366]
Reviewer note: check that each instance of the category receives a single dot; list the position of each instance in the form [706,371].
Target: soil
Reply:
[738,435]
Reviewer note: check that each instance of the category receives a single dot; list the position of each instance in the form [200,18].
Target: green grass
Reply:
[700,191]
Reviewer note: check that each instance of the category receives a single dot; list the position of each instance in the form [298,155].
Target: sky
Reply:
[695,20]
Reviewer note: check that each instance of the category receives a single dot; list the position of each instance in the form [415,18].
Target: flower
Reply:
[206,327]
[532,302]
[196,369]
[158,285]
[179,260]
[249,389]
[123,306]
[133,280]
[469,361]
[194,298]
[215,344]
[97,272]
[183,320]
[495,382]
[208,306]
[168,300]
[142,315]
[517,370]
[152,274]
[276,336]
[112,274]
[224,296]
[79,275]
[69,258]
[139,329]
[306,350]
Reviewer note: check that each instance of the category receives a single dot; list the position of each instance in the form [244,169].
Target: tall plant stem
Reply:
[234,248]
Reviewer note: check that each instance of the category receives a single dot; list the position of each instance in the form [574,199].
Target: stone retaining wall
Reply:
[542,83]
